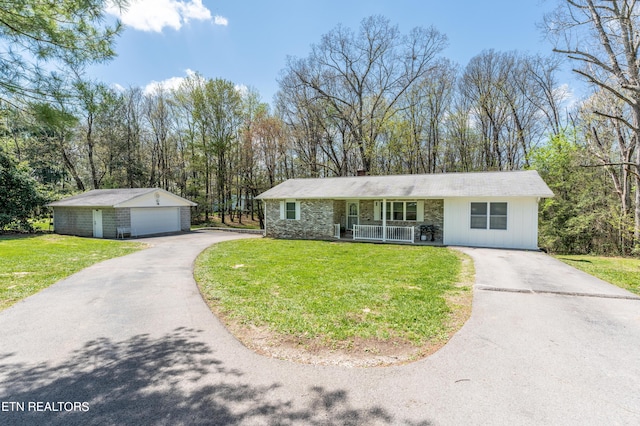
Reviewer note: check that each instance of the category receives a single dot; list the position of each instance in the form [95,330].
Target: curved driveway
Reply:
[132,338]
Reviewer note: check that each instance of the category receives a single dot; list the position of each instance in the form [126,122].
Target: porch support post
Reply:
[384,220]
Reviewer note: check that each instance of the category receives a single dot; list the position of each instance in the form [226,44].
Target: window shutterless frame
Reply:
[478,216]
[492,215]
[498,216]
[402,211]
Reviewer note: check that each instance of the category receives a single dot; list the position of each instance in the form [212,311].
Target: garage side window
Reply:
[478,215]
[498,218]
[493,215]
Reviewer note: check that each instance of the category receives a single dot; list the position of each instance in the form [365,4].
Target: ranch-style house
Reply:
[486,209]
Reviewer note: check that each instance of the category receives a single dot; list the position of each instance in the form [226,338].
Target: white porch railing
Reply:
[367,232]
[400,233]
[375,232]
[336,230]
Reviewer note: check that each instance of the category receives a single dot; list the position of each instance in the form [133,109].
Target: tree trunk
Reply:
[72,169]
[92,165]
[636,231]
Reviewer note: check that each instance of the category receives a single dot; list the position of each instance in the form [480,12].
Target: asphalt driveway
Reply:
[130,341]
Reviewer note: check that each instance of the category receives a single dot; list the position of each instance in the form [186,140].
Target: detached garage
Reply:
[112,213]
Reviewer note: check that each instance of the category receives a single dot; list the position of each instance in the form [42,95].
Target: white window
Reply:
[498,216]
[478,215]
[493,215]
[405,211]
[411,211]
[290,210]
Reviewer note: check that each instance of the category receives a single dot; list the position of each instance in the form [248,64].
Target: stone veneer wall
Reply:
[433,215]
[318,216]
[316,220]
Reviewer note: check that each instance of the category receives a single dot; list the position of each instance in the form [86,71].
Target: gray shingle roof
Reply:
[102,197]
[483,184]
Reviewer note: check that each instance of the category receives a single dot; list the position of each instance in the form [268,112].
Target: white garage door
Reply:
[155,220]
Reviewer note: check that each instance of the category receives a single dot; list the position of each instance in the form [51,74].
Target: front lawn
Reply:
[620,271]
[29,263]
[336,293]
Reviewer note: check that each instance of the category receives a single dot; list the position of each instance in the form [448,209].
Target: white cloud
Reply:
[241,89]
[567,96]
[220,20]
[194,9]
[172,83]
[155,15]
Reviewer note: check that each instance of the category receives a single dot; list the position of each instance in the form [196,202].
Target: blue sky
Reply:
[247,42]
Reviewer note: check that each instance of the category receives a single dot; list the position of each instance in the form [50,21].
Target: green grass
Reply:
[44,224]
[333,291]
[30,263]
[620,271]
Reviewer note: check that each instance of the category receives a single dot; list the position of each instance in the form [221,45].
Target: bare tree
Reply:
[602,38]
[132,135]
[223,109]
[612,145]
[515,102]
[483,84]
[269,140]
[157,113]
[307,123]
[463,142]
[424,108]
[363,75]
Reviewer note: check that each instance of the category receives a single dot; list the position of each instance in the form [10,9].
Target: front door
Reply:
[353,208]
[97,224]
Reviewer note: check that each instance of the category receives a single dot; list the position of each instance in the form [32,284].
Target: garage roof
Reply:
[113,197]
[446,185]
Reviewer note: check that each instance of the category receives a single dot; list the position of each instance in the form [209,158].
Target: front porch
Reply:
[403,234]
[393,221]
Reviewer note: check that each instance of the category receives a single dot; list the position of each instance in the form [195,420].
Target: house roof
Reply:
[110,197]
[446,185]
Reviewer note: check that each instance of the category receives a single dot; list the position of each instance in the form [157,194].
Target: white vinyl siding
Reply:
[519,224]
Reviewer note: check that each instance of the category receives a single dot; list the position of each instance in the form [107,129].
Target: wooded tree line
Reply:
[371,99]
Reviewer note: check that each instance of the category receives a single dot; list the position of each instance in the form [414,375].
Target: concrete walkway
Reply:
[132,338]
